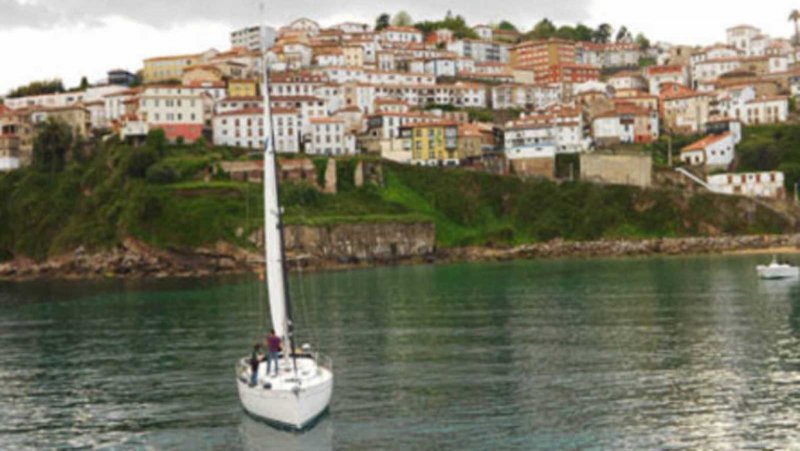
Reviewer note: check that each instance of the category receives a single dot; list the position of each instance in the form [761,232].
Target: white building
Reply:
[480,51]
[742,36]
[60,100]
[257,39]
[759,184]
[330,137]
[659,75]
[401,34]
[766,110]
[525,96]
[308,107]
[533,136]
[361,75]
[443,66]
[302,25]
[115,104]
[245,128]
[710,70]
[352,27]
[626,124]
[628,80]
[714,151]
[160,105]
[484,32]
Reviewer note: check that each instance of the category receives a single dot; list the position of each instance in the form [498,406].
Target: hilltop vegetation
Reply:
[168,196]
[771,148]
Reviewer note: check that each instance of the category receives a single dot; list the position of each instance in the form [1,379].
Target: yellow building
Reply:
[242,88]
[434,143]
[77,117]
[353,55]
[168,68]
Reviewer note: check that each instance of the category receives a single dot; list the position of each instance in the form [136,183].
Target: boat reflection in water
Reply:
[257,437]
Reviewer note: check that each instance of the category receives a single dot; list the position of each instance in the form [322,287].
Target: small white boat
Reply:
[776,270]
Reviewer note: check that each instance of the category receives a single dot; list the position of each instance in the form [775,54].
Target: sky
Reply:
[43,39]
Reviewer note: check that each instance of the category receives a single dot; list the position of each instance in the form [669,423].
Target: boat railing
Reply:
[324,361]
[242,369]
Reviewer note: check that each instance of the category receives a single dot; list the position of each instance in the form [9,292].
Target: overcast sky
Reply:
[69,38]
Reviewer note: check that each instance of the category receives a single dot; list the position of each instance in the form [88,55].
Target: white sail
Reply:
[273,238]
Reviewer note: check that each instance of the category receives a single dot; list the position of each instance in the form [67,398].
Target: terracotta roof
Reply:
[654,70]
[705,142]
[402,29]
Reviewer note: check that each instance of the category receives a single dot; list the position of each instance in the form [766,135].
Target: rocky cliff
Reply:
[308,247]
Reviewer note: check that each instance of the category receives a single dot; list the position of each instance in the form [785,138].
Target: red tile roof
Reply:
[705,142]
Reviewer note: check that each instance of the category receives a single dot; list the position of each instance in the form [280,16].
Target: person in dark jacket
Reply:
[255,360]
[273,351]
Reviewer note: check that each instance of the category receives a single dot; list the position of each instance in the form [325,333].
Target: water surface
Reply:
[604,354]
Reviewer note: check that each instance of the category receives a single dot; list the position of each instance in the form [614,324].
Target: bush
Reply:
[300,195]
[139,160]
[162,173]
[157,140]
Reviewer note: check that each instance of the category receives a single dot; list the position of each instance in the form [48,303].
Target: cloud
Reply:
[47,13]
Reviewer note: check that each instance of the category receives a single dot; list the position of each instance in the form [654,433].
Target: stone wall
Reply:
[634,170]
[361,243]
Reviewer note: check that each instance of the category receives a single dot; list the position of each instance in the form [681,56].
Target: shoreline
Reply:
[135,260]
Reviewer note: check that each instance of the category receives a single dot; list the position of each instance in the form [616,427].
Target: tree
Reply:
[603,34]
[458,25]
[383,21]
[566,32]
[642,41]
[84,84]
[402,19]
[37,88]
[543,30]
[507,26]
[583,33]
[53,141]
[794,16]
[624,35]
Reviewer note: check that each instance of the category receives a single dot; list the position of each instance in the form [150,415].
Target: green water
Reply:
[672,353]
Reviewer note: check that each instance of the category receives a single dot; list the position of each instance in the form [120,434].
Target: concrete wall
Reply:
[635,170]
[353,243]
[534,167]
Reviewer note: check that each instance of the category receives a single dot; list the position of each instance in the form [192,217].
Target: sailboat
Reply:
[300,392]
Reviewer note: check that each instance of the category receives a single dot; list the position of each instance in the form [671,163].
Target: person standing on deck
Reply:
[255,361]
[273,351]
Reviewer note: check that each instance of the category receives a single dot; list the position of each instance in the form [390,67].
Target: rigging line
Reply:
[303,305]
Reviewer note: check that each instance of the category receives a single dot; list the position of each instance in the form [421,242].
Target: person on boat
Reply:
[255,360]
[273,351]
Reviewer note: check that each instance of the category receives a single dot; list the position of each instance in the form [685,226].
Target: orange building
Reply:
[552,61]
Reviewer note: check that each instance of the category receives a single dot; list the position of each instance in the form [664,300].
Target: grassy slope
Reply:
[97,203]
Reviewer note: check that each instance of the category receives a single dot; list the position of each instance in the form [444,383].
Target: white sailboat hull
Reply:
[777,271]
[290,400]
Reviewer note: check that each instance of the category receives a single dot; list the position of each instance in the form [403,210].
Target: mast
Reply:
[274,254]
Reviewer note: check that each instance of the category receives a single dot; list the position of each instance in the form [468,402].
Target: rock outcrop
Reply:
[333,247]
[351,246]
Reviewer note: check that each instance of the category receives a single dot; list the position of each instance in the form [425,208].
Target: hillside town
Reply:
[495,101]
